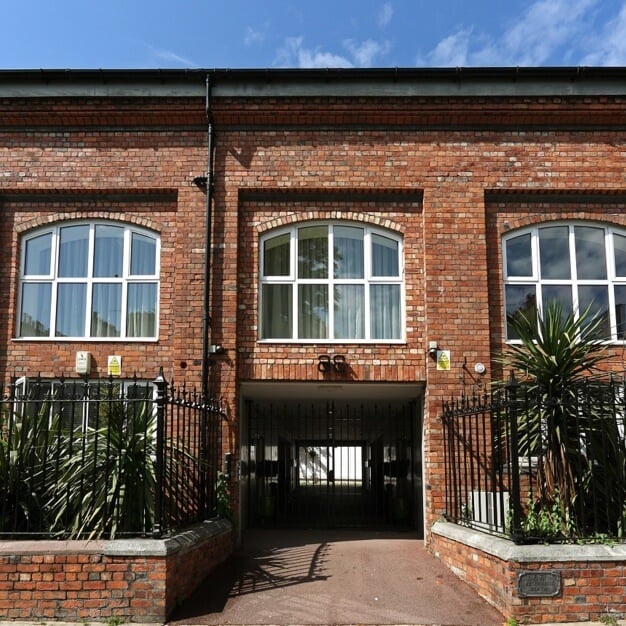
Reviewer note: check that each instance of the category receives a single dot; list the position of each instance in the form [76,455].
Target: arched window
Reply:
[580,265]
[331,281]
[89,279]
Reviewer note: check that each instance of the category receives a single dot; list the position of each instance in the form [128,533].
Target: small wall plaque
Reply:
[538,584]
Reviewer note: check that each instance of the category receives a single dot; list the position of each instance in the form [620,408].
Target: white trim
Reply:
[89,280]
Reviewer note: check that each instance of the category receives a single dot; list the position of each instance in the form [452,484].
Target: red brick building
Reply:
[332,252]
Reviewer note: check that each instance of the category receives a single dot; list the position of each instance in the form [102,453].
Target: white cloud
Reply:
[365,52]
[609,48]
[449,52]
[385,14]
[360,54]
[293,54]
[253,37]
[547,27]
[169,56]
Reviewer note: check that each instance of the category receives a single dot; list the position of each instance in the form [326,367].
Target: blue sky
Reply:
[112,34]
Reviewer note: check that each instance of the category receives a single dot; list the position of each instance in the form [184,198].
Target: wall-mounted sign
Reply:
[83,362]
[114,366]
[538,584]
[443,360]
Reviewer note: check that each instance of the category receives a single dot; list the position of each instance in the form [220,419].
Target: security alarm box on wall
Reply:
[83,362]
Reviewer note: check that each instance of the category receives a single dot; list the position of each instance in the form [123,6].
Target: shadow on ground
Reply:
[334,577]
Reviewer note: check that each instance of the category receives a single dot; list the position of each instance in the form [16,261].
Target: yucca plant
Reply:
[555,355]
[27,450]
[107,476]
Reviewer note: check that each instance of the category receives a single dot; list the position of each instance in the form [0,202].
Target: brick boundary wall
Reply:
[592,577]
[134,580]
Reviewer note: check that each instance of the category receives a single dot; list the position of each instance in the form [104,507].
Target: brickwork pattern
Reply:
[78,582]
[589,590]
[308,156]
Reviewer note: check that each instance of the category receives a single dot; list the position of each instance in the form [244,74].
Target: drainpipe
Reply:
[206,318]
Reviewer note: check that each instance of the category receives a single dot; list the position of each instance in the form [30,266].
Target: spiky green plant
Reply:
[27,450]
[556,353]
[107,476]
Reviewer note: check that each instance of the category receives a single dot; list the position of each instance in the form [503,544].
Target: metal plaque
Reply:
[538,584]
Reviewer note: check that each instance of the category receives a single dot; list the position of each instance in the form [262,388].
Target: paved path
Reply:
[334,577]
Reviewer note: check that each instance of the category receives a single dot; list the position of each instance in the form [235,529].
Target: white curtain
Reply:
[385,312]
[71,305]
[385,256]
[106,310]
[73,251]
[143,255]
[313,311]
[349,308]
[108,251]
[141,310]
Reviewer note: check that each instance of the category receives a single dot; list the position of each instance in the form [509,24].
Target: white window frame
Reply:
[54,280]
[535,279]
[367,281]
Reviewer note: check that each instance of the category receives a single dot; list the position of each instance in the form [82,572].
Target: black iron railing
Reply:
[539,464]
[106,458]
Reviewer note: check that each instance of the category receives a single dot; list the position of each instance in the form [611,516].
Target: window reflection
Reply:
[554,252]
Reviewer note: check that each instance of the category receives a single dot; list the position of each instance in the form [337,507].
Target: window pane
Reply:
[519,256]
[37,256]
[141,310]
[276,255]
[619,244]
[590,253]
[620,310]
[106,310]
[596,297]
[73,251]
[385,256]
[520,299]
[71,310]
[313,252]
[554,252]
[35,319]
[313,311]
[276,313]
[348,252]
[349,312]
[142,255]
[557,293]
[108,251]
[385,312]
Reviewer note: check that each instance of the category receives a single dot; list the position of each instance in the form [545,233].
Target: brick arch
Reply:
[327,216]
[120,216]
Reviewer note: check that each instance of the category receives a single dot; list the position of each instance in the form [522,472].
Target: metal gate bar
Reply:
[331,464]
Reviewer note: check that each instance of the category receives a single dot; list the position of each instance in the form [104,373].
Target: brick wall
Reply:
[443,187]
[592,577]
[134,580]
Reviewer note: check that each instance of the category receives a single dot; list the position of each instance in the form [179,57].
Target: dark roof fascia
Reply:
[275,83]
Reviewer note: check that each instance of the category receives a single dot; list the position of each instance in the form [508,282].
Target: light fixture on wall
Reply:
[326,363]
[200,182]
[432,349]
[339,361]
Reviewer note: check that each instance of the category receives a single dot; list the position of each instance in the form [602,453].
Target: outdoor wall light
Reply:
[325,363]
[339,361]
[432,349]
[200,182]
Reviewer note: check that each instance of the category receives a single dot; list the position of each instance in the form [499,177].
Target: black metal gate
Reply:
[332,465]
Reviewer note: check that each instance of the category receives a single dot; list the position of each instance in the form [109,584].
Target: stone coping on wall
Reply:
[145,547]
[506,550]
